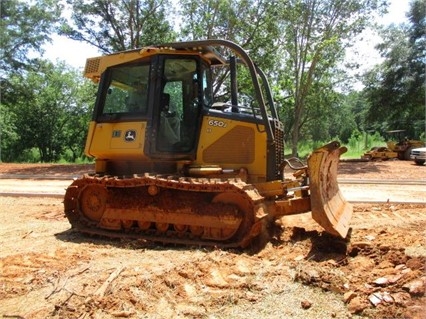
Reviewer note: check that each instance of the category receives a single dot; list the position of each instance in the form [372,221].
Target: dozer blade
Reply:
[329,208]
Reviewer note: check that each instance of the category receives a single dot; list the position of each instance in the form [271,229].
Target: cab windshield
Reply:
[128,90]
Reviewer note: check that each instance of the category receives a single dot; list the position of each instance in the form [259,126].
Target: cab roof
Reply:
[97,65]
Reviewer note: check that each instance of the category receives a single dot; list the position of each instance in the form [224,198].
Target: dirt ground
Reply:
[49,271]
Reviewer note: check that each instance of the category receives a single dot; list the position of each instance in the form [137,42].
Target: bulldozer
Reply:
[379,154]
[175,164]
[397,147]
[402,146]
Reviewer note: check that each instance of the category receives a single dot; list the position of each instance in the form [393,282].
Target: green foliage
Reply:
[124,24]
[357,144]
[304,149]
[24,27]
[249,23]
[45,109]
[298,44]
[51,112]
[314,35]
[395,89]
[69,157]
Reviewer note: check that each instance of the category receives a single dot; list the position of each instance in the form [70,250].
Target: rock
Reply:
[416,287]
[401,298]
[386,297]
[313,274]
[415,263]
[405,270]
[360,244]
[393,279]
[385,247]
[348,296]
[400,267]
[375,299]
[306,304]
[379,297]
[368,287]
[308,276]
[357,305]
[382,281]
[385,264]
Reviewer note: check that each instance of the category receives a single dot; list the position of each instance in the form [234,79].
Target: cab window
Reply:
[127,91]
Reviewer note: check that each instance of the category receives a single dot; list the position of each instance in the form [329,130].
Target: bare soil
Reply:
[49,271]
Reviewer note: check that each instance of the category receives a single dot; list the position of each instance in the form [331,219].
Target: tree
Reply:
[253,24]
[250,23]
[314,36]
[395,89]
[24,27]
[298,43]
[42,107]
[118,25]
[8,134]
[355,108]
[80,98]
[51,112]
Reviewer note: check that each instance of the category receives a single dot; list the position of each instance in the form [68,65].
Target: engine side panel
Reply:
[232,144]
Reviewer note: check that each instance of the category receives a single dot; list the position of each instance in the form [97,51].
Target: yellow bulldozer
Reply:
[173,164]
[398,147]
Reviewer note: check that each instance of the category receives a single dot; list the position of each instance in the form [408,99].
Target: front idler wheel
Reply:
[92,201]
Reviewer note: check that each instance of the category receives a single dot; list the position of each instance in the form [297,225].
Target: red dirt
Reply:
[361,170]
[49,271]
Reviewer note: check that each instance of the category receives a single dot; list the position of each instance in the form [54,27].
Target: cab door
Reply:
[177,108]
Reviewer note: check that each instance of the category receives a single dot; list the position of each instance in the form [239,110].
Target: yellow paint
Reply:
[233,144]
[108,140]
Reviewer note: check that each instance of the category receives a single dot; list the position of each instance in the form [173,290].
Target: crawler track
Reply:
[166,209]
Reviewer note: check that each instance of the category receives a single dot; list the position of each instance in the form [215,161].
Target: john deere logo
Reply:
[130,136]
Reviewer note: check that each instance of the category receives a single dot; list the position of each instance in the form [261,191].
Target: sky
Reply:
[363,50]
[75,53]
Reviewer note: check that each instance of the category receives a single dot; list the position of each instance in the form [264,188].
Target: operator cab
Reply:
[155,110]
[166,91]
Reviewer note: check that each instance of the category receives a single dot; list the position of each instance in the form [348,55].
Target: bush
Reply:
[358,143]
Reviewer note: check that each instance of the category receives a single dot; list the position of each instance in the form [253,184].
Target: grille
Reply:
[279,144]
[237,146]
[92,65]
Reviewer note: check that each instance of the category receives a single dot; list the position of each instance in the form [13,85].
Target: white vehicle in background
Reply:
[418,155]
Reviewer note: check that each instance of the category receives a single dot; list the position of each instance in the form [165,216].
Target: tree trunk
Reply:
[296,127]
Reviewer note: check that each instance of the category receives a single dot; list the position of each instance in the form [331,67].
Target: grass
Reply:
[357,145]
